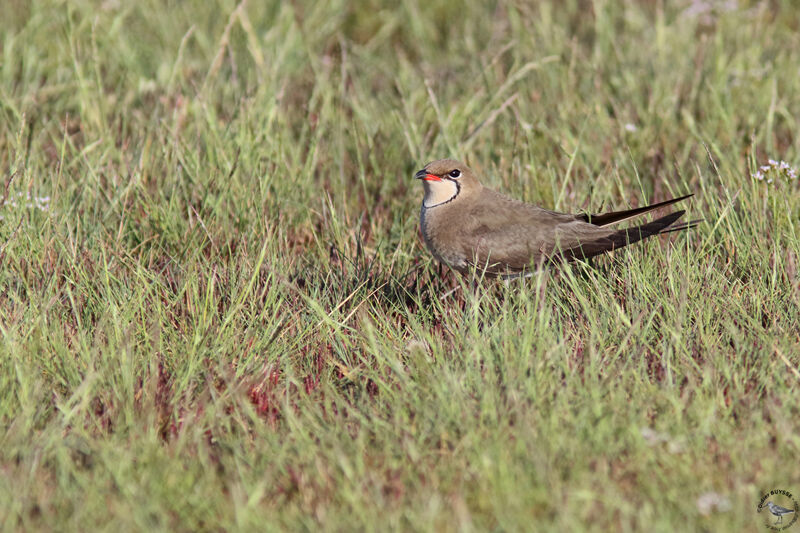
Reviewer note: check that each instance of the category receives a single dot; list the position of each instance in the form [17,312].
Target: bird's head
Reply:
[445,180]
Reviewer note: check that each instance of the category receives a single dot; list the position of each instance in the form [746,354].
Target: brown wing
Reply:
[622,238]
[604,219]
[500,235]
[512,254]
[509,238]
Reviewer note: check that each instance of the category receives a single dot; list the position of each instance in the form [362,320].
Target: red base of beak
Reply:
[431,177]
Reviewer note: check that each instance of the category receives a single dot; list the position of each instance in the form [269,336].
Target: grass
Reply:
[217,314]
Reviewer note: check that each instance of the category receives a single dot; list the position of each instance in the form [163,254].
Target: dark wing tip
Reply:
[604,219]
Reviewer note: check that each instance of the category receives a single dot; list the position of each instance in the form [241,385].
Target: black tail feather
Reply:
[621,238]
[628,236]
[605,219]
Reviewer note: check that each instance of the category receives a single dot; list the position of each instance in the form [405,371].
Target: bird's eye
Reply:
[455,173]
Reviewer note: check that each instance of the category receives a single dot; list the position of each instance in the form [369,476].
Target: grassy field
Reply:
[217,312]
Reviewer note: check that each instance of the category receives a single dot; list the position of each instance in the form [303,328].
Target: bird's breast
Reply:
[440,237]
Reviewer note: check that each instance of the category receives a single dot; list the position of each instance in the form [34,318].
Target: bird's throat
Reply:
[439,192]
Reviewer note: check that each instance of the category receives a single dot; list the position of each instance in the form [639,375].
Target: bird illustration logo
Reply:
[778,511]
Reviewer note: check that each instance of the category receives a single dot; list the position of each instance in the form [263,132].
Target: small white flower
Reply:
[32,202]
[654,438]
[775,170]
[709,502]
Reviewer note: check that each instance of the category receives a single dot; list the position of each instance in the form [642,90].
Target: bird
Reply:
[467,226]
[778,511]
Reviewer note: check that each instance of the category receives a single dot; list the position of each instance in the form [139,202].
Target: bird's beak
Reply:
[423,175]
